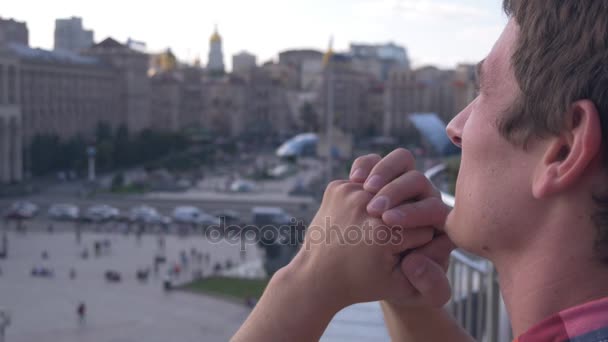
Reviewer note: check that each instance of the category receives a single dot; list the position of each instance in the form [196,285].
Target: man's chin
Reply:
[456,232]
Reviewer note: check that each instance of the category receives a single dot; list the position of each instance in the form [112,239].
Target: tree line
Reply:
[115,148]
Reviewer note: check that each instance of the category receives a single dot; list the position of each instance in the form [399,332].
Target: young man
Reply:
[531,196]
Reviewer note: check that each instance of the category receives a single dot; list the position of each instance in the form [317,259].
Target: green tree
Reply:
[123,149]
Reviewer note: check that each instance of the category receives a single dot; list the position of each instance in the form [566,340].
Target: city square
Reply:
[130,310]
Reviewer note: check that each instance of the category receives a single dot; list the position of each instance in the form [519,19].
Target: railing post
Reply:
[492,306]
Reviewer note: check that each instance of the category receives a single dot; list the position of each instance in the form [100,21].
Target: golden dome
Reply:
[216,36]
[168,62]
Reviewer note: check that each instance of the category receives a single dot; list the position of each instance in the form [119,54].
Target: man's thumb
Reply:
[428,278]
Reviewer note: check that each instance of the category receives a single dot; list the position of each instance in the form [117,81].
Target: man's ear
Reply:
[570,154]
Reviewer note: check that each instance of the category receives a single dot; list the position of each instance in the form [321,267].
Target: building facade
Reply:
[307,64]
[12,31]
[70,35]
[426,90]
[345,92]
[224,105]
[379,59]
[64,94]
[11,164]
[243,62]
[165,101]
[133,85]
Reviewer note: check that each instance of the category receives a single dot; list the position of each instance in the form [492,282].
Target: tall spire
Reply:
[330,52]
[216,55]
[216,36]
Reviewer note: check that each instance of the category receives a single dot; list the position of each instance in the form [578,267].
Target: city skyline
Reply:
[473,26]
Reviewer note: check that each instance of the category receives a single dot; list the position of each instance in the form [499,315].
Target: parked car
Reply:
[242,186]
[101,213]
[270,216]
[22,210]
[113,276]
[64,212]
[229,216]
[145,214]
[193,215]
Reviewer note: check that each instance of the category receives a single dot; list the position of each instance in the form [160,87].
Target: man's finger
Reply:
[410,186]
[428,278]
[429,212]
[392,166]
[438,250]
[362,166]
[406,239]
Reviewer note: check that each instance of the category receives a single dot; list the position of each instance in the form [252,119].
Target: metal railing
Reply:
[476,300]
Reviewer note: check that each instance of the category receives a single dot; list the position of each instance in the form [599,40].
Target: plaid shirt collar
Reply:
[584,323]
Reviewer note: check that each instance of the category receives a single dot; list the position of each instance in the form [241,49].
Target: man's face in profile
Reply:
[493,192]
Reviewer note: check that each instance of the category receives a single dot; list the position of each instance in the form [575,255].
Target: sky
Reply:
[435,32]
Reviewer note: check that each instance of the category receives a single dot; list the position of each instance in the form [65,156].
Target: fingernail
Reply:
[375,182]
[378,204]
[358,174]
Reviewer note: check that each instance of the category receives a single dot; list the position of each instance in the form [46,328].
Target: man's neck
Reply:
[547,279]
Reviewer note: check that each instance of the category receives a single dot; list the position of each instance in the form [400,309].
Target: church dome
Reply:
[216,37]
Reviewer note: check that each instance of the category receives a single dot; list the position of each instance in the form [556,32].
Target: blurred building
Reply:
[426,90]
[191,96]
[268,112]
[465,79]
[12,31]
[243,62]
[347,97]
[307,64]
[133,84]
[379,60]
[70,35]
[286,76]
[216,55]
[11,165]
[165,101]
[161,62]
[63,93]
[176,93]
[224,105]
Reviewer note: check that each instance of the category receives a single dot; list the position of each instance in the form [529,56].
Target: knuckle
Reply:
[435,203]
[334,185]
[361,198]
[332,188]
[371,159]
[348,187]
[418,177]
[405,153]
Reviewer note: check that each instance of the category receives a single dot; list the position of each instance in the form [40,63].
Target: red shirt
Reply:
[583,323]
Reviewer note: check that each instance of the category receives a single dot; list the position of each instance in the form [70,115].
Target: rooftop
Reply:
[56,56]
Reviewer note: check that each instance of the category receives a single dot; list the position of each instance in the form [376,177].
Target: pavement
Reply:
[44,309]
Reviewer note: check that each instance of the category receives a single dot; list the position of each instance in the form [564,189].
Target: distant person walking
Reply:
[81,311]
